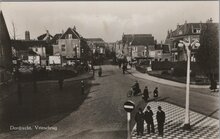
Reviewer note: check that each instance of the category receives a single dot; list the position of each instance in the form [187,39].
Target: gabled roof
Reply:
[56,37]
[138,39]
[75,34]
[25,45]
[43,36]
[4,35]
[187,29]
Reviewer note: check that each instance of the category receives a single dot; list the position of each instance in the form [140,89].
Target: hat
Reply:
[159,108]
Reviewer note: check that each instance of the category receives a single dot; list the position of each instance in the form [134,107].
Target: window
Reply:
[63,47]
[196,30]
[70,36]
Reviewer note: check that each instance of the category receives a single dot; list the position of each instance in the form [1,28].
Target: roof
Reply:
[5,45]
[138,39]
[43,36]
[25,45]
[56,37]
[187,29]
[75,34]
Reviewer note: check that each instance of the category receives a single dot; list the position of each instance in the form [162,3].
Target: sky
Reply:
[106,19]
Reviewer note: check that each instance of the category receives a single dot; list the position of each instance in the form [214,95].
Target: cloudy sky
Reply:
[107,20]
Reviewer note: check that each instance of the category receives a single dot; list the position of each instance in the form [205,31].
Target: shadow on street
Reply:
[44,108]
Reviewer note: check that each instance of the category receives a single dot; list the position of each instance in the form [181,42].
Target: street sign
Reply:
[129,106]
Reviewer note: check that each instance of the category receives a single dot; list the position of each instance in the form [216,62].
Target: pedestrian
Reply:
[139,118]
[160,120]
[124,67]
[145,94]
[93,71]
[119,64]
[82,87]
[156,93]
[100,71]
[149,120]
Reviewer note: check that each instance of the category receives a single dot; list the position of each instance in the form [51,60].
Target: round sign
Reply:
[129,106]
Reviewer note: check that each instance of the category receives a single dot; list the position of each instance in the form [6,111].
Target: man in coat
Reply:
[160,120]
[145,94]
[139,118]
[149,120]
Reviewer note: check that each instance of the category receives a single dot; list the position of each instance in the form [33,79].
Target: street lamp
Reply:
[189,45]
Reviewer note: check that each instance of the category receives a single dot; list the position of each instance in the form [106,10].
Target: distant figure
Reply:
[100,71]
[156,93]
[213,85]
[119,64]
[82,87]
[93,71]
[130,64]
[139,118]
[136,88]
[146,94]
[124,67]
[149,120]
[160,120]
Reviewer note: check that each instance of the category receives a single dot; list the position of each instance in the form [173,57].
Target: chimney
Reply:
[27,35]
[155,41]
[74,28]
[47,35]
[178,25]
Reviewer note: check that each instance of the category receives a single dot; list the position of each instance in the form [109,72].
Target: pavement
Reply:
[204,89]
[202,126]
[162,81]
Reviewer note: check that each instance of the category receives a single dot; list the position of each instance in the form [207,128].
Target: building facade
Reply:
[190,31]
[135,46]
[5,51]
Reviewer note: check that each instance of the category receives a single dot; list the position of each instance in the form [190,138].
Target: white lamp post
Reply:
[188,46]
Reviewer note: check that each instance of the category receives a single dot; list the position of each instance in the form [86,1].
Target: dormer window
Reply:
[196,30]
[70,36]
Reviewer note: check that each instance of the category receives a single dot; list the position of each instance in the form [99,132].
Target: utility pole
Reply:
[14,30]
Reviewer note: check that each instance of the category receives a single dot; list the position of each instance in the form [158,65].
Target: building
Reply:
[5,51]
[182,32]
[97,45]
[159,52]
[71,46]
[47,37]
[135,46]
[25,49]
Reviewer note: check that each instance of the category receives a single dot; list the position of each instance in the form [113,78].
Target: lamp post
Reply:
[188,44]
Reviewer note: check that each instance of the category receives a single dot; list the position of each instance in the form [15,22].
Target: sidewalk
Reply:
[203,127]
[162,81]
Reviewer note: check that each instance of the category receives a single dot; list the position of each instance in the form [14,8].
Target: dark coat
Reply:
[139,118]
[155,93]
[161,116]
[148,116]
[146,93]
